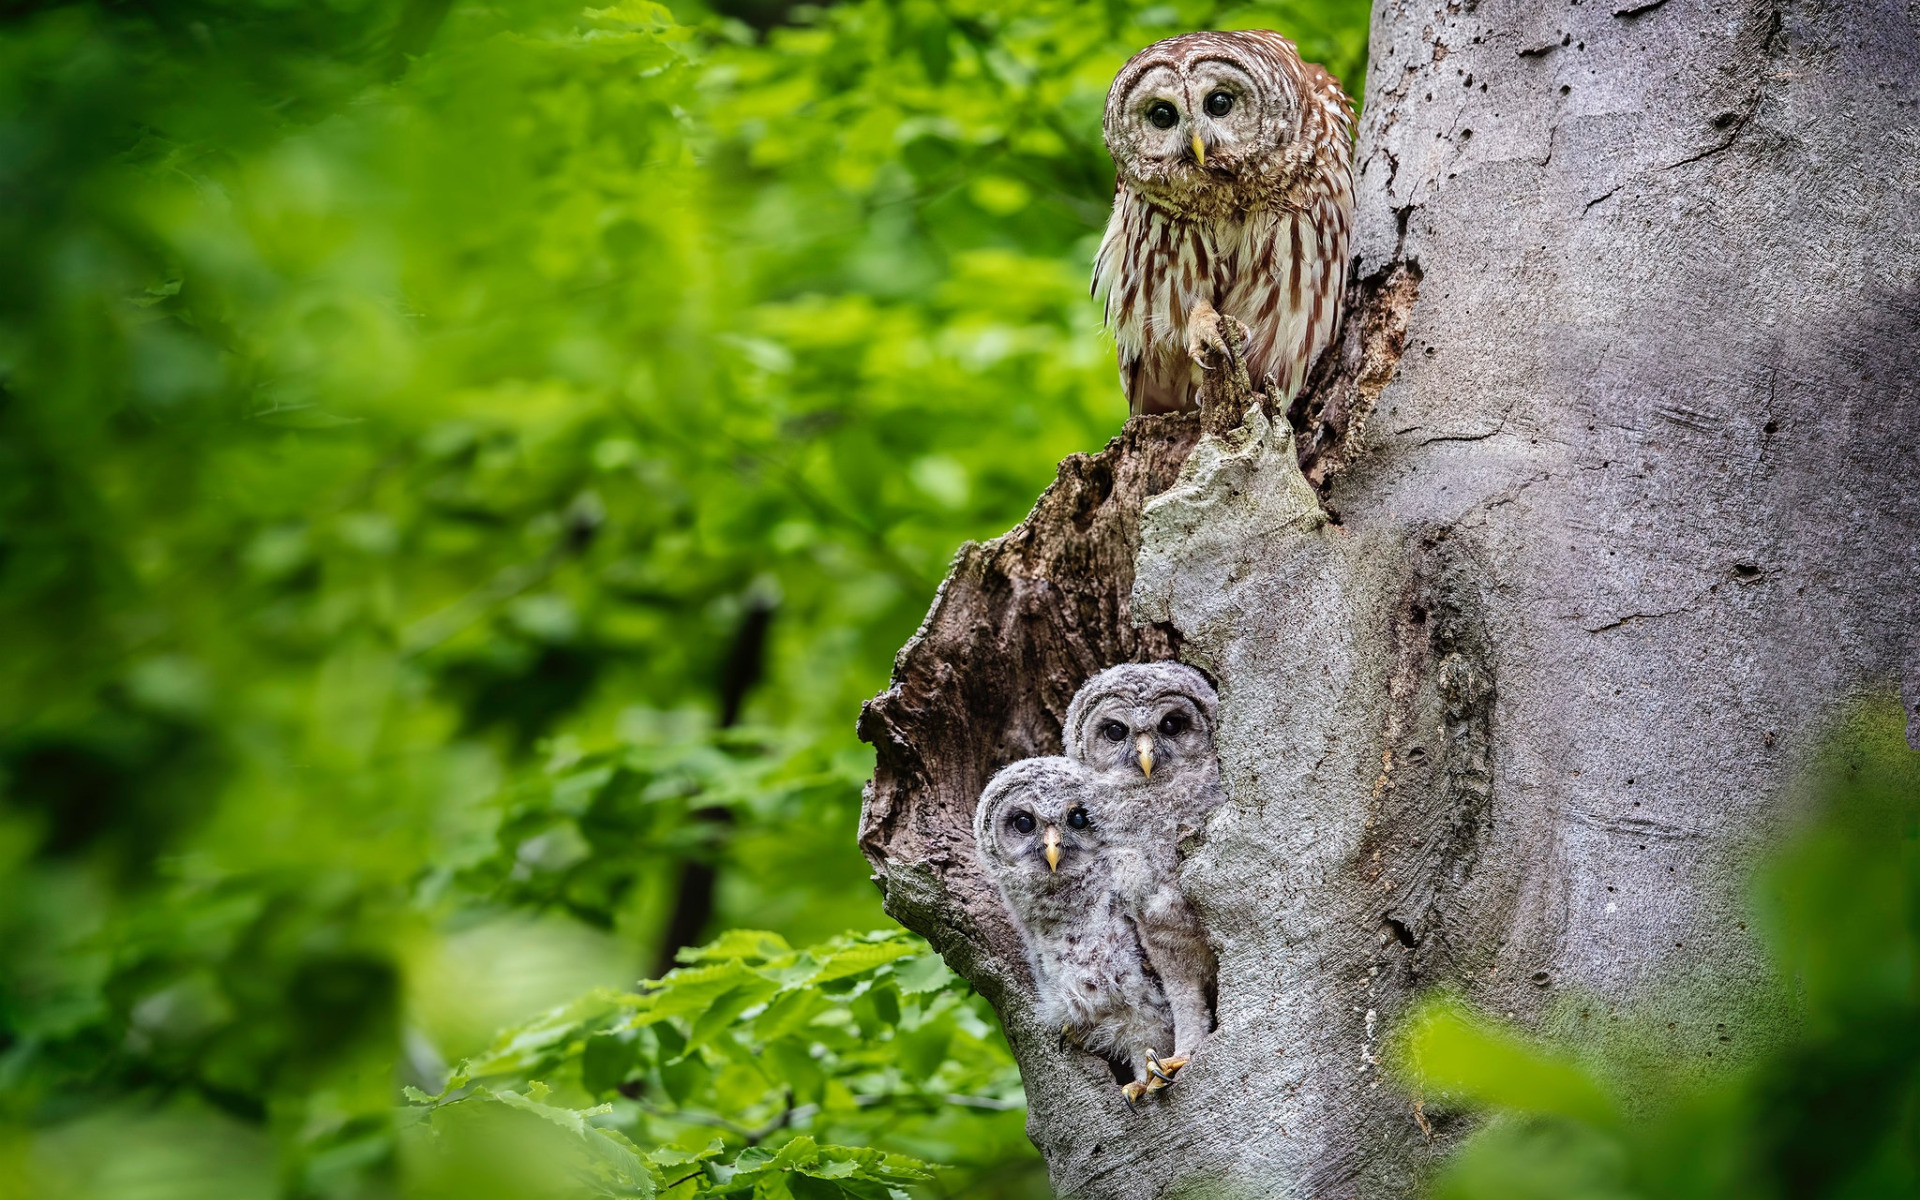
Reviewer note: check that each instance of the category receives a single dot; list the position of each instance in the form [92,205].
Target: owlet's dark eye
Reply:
[1173,724]
[1114,731]
[1022,822]
[1219,104]
[1077,819]
[1163,115]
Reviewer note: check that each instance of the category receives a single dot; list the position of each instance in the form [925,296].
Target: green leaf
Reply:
[685,1078]
[725,1008]
[877,1010]
[672,1042]
[616,1163]
[813,1187]
[790,1061]
[1447,1050]
[787,1013]
[922,1051]
[925,973]
[861,957]
[738,943]
[691,991]
[605,1060]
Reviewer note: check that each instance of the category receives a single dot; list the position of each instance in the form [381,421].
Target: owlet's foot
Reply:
[1160,1071]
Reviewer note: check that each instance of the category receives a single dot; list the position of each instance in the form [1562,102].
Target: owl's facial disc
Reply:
[1046,826]
[1187,128]
[1146,734]
[1227,106]
[1159,121]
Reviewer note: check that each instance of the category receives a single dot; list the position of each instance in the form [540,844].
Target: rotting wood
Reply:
[1020,622]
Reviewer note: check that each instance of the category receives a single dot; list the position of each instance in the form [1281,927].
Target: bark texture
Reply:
[1611,501]
[1019,624]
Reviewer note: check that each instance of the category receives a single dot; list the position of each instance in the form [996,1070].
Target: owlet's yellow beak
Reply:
[1144,744]
[1199,149]
[1051,839]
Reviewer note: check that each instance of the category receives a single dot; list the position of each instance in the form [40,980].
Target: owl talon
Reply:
[1160,1071]
[1131,1092]
[1205,339]
[1211,344]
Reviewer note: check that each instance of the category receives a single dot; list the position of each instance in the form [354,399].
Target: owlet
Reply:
[1146,732]
[1041,834]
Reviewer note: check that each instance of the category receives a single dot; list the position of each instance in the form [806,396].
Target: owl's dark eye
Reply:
[1114,731]
[1077,819]
[1219,104]
[1163,115]
[1022,822]
[1173,724]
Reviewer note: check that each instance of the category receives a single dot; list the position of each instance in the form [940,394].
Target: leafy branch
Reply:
[778,1050]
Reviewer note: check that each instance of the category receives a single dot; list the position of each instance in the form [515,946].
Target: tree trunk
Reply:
[1611,502]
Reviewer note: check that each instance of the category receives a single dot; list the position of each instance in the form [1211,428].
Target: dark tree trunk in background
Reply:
[693,894]
[1619,505]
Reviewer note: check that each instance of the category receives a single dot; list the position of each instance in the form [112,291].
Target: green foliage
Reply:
[858,1040]
[1831,1109]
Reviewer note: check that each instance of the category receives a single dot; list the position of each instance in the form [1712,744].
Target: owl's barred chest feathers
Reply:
[1251,222]
[1280,272]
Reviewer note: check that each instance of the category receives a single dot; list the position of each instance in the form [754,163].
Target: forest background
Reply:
[462,466]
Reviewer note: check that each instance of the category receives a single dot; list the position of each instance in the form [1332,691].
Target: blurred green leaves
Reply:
[1446,1050]
[1829,1108]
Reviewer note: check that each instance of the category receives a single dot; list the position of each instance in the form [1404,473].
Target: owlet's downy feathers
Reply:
[1233,202]
[1084,850]
[1146,731]
[1041,834]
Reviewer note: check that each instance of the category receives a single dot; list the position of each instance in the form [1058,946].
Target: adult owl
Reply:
[1146,732]
[1233,201]
[1041,834]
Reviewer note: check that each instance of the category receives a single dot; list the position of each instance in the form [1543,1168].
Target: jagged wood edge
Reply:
[1019,623]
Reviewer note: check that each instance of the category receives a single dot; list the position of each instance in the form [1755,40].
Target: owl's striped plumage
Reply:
[1238,207]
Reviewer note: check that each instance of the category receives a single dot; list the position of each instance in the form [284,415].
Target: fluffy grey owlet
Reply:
[1146,732]
[1041,834]
[1233,201]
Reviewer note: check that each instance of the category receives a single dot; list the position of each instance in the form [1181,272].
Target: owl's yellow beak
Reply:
[1051,839]
[1199,149]
[1144,745]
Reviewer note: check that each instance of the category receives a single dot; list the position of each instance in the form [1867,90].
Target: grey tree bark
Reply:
[1610,502]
